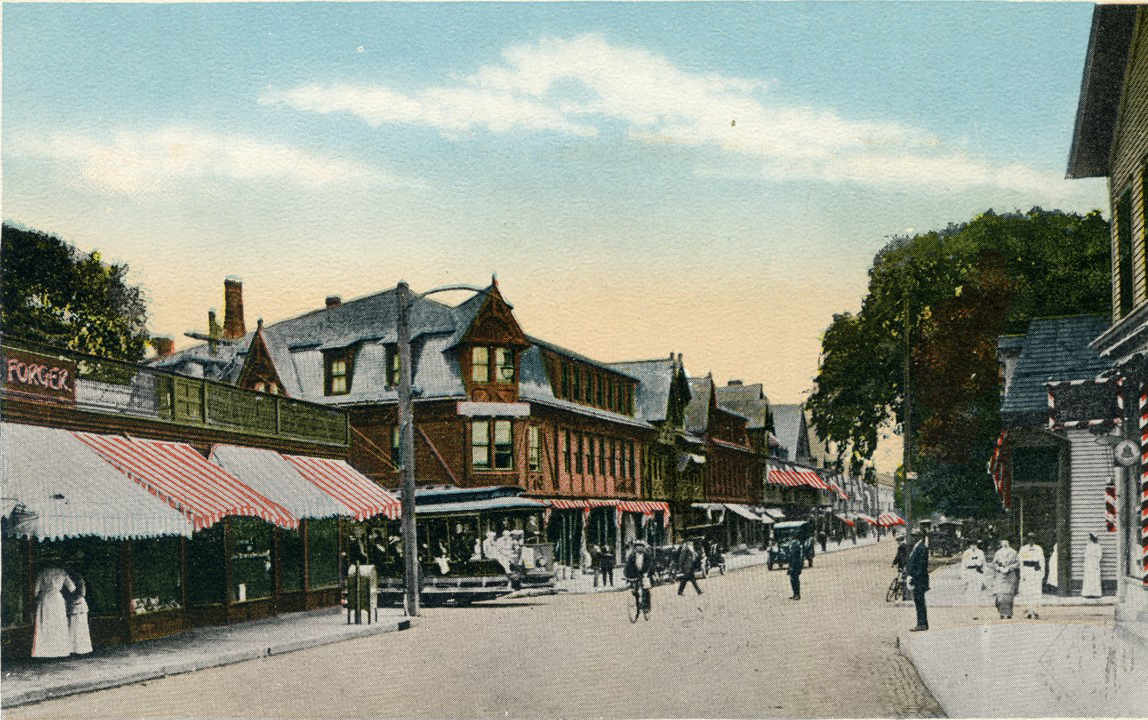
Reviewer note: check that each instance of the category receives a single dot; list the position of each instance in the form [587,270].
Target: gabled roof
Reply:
[655,379]
[747,400]
[698,411]
[1054,349]
[1100,90]
[788,424]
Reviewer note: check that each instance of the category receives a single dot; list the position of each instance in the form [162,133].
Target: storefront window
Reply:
[323,552]
[205,567]
[15,582]
[291,559]
[96,561]
[155,575]
[252,574]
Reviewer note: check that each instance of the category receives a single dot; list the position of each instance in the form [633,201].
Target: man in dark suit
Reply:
[639,566]
[794,562]
[917,568]
[687,561]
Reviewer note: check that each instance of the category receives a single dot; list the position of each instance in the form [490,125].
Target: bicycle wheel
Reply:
[635,607]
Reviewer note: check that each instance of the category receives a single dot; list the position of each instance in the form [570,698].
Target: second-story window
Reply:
[338,373]
[585,386]
[503,445]
[480,364]
[533,449]
[491,445]
[613,459]
[630,474]
[566,453]
[599,396]
[590,454]
[578,458]
[602,456]
[610,395]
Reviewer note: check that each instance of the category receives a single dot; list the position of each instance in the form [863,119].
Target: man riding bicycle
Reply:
[639,565]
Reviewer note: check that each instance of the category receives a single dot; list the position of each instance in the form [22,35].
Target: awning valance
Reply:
[267,472]
[506,504]
[177,474]
[646,507]
[356,491]
[579,503]
[56,487]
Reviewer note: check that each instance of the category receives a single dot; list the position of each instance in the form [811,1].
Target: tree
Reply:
[52,293]
[960,289]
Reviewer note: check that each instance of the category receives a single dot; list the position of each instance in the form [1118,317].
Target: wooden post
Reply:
[127,591]
[228,574]
[183,600]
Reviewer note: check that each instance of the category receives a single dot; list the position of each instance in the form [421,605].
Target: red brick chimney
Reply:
[163,345]
[233,325]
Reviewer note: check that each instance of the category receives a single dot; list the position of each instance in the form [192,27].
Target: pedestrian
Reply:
[902,554]
[973,572]
[50,636]
[794,561]
[1092,555]
[596,562]
[1031,557]
[822,538]
[687,559]
[1053,580]
[78,630]
[917,568]
[607,560]
[1006,564]
[639,568]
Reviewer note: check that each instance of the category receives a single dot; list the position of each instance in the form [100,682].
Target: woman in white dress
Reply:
[50,637]
[78,617]
[1092,554]
[973,569]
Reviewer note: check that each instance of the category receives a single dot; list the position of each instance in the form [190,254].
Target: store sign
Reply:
[29,373]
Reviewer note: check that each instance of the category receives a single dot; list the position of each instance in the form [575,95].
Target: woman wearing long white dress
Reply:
[973,569]
[50,637]
[1092,554]
[78,617]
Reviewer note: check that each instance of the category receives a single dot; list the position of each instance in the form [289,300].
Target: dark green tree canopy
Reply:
[960,288]
[53,293]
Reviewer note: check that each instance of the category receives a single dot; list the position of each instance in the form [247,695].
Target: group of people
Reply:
[602,563]
[509,549]
[640,567]
[61,627]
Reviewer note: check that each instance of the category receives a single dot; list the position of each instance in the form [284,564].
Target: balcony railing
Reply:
[116,387]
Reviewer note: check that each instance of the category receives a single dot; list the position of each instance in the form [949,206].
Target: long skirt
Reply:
[50,636]
[1004,604]
[78,627]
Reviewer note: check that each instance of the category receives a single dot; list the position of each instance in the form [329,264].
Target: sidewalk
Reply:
[578,582]
[947,589]
[28,681]
[1031,669]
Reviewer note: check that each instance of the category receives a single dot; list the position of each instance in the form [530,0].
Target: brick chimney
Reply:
[333,301]
[233,325]
[163,345]
[734,383]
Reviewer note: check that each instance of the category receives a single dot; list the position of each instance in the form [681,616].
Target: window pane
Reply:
[504,360]
[479,431]
[599,400]
[577,384]
[323,552]
[480,443]
[480,364]
[566,452]
[534,450]
[291,559]
[480,456]
[578,455]
[251,571]
[393,377]
[155,575]
[502,431]
[503,445]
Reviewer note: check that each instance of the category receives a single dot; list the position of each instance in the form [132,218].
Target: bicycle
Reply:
[896,589]
[638,607]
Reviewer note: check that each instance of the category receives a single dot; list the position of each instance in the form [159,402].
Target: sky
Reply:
[705,178]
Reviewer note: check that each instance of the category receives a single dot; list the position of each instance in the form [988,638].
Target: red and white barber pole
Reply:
[1144,482]
[1110,505]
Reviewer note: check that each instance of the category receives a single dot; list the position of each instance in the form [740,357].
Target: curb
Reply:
[904,645]
[36,695]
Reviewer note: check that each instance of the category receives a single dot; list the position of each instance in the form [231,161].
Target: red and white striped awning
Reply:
[579,503]
[356,491]
[782,475]
[833,487]
[180,476]
[866,518]
[812,479]
[889,519]
[846,518]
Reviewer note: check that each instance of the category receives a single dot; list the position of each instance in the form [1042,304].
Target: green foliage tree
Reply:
[52,293]
[960,288]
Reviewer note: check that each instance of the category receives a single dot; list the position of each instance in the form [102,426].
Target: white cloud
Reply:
[135,162]
[574,85]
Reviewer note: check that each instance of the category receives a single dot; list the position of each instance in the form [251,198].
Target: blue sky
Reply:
[709,178]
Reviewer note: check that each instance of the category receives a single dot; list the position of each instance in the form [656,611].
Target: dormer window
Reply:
[337,375]
[492,364]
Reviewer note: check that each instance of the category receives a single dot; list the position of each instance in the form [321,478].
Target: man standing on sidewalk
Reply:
[917,568]
[796,559]
[687,560]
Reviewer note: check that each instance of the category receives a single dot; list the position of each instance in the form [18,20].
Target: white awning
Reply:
[269,474]
[747,513]
[56,487]
[775,513]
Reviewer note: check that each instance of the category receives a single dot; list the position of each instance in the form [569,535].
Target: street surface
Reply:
[743,649]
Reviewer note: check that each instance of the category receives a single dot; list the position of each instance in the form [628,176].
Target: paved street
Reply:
[741,649]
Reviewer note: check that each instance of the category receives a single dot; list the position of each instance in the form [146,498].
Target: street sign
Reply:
[1126,453]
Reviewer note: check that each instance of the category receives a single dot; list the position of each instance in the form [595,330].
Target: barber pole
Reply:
[1144,483]
[1110,506]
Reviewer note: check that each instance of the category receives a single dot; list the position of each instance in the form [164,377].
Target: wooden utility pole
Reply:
[407,453]
[907,460]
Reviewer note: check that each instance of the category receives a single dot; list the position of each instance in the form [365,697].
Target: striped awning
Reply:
[846,518]
[889,519]
[579,503]
[812,479]
[351,488]
[56,487]
[784,475]
[834,487]
[866,518]
[269,474]
[177,474]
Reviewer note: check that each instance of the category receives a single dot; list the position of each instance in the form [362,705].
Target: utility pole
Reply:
[407,453]
[907,461]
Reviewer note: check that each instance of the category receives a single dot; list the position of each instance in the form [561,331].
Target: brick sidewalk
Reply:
[31,681]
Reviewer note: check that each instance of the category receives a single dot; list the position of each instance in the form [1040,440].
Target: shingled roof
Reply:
[1053,349]
[655,378]
[788,424]
[747,400]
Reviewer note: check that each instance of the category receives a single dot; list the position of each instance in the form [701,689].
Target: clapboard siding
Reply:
[1092,468]
[1130,150]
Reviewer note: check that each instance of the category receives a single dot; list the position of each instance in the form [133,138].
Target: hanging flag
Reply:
[1000,469]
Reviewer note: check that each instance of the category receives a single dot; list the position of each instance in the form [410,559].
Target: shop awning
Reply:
[356,491]
[811,478]
[889,519]
[845,518]
[834,487]
[866,518]
[508,504]
[775,513]
[177,474]
[579,503]
[56,487]
[785,476]
[646,507]
[268,473]
[746,513]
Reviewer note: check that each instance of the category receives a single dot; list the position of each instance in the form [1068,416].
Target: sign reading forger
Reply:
[33,374]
